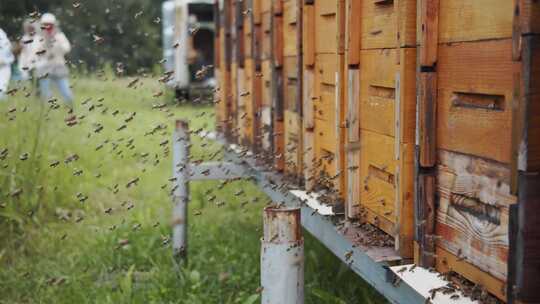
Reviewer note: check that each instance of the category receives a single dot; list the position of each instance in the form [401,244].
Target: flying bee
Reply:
[132,182]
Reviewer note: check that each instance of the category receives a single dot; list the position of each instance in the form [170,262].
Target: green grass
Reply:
[56,249]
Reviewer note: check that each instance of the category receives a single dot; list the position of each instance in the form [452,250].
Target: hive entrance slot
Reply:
[383,2]
[381,174]
[474,206]
[382,91]
[478,101]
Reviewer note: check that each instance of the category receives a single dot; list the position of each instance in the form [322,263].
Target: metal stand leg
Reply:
[181,188]
[282,257]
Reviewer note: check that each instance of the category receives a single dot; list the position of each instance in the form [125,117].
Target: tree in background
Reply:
[123,33]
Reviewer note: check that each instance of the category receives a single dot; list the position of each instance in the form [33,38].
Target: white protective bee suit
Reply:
[51,68]
[29,41]
[6,59]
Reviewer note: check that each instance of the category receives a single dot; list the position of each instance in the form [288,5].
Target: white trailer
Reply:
[188,44]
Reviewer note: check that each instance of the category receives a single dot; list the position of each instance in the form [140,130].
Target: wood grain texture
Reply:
[266,6]
[378,75]
[387,185]
[266,132]
[248,119]
[526,143]
[308,123]
[277,41]
[525,241]
[293,143]
[266,83]
[468,126]
[256,93]
[308,30]
[529,12]
[425,223]
[290,71]
[380,21]
[267,36]
[465,20]
[290,28]
[352,167]
[354,32]
[447,261]
[257,11]
[326,27]
[406,15]
[427,119]
[472,217]
[428,32]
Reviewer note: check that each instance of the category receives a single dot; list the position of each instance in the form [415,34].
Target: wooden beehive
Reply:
[323,54]
[267,71]
[381,110]
[292,87]
[423,115]
[470,71]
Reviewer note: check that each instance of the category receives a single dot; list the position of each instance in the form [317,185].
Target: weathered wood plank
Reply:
[277,41]
[427,118]
[308,30]
[474,98]
[386,185]
[465,20]
[257,12]
[524,267]
[406,22]
[308,127]
[354,34]
[378,76]
[326,27]
[472,217]
[529,12]
[428,33]
[293,143]
[290,28]
[352,169]
[447,261]
[425,223]
[379,24]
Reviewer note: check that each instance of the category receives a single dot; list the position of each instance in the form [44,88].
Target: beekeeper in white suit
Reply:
[51,63]
[27,57]
[6,59]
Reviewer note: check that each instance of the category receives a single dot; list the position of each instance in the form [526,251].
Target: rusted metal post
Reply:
[282,257]
[181,188]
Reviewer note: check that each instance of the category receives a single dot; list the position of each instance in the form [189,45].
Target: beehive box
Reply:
[381,110]
[323,106]
[224,100]
[266,77]
[467,94]
[375,91]
[292,94]
[278,123]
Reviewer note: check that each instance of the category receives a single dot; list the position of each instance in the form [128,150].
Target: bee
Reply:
[132,182]
[98,39]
